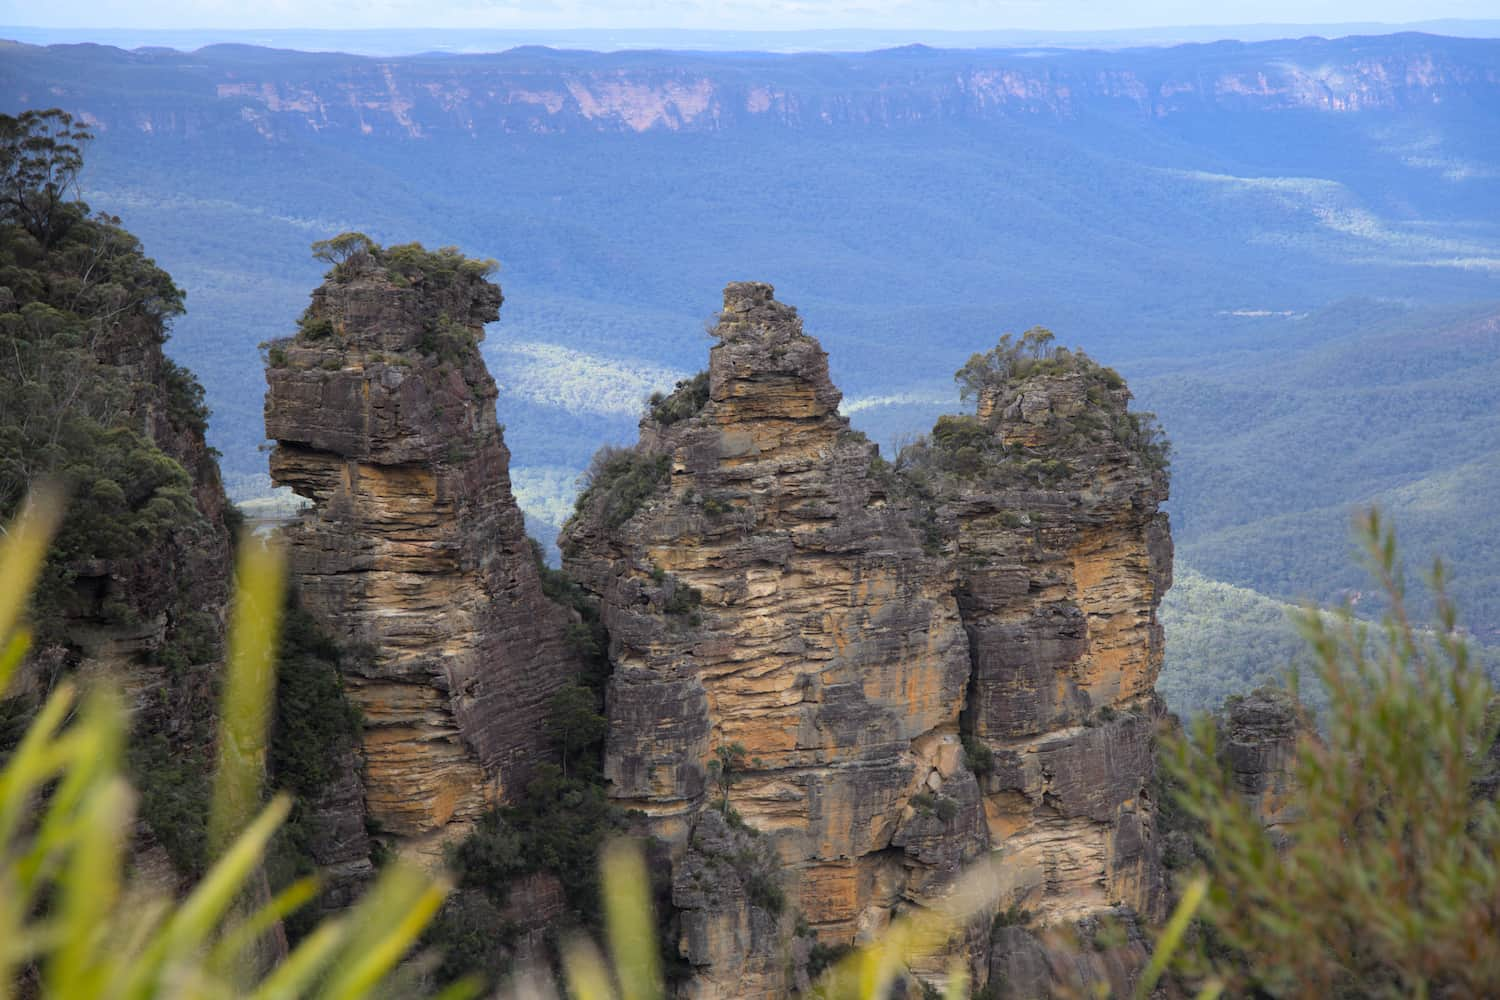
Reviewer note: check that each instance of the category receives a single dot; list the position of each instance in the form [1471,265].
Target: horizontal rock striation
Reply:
[1052,492]
[765,590]
[383,416]
[905,669]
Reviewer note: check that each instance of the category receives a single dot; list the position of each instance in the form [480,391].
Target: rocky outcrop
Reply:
[1259,736]
[764,588]
[906,669]
[1052,492]
[413,547]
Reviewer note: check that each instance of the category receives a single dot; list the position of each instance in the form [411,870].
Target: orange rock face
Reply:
[776,592]
[414,547]
[773,593]
[1063,558]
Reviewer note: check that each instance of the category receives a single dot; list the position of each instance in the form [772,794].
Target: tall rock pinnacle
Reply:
[383,416]
[784,603]
[770,593]
[1051,495]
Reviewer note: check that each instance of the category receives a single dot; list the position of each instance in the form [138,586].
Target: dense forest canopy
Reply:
[82,308]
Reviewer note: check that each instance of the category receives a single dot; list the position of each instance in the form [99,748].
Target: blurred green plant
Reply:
[1389,882]
[75,924]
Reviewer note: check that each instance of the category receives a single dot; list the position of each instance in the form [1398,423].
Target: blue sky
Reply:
[1049,15]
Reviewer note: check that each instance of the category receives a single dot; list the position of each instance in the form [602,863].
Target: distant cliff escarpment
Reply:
[885,672]
[536,91]
[413,549]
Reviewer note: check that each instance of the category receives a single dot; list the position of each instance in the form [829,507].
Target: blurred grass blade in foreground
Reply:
[249,685]
[23,549]
[67,815]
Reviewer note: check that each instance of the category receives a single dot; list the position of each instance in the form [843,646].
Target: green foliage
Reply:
[1370,403]
[1142,433]
[174,782]
[344,248]
[353,254]
[41,154]
[559,827]
[978,756]
[186,407]
[1388,884]
[447,340]
[763,890]
[1013,358]
[192,640]
[436,269]
[943,807]
[473,939]
[315,723]
[965,445]
[724,769]
[576,727]
[619,482]
[315,327]
[81,309]
[686,400]
[1224,640]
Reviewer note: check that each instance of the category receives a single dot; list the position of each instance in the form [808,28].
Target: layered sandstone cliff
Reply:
[778,596]
[413,547]
[1052,490]
[771,592]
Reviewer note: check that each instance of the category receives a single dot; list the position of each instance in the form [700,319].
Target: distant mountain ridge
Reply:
[407,41]
[536,90]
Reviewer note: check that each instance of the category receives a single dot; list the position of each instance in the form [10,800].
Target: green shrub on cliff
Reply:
[618,483]
[352,253]
[1012,358]
[686,400]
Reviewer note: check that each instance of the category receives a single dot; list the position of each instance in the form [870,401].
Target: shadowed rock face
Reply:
[782,588]
[383,416]
[1259,736]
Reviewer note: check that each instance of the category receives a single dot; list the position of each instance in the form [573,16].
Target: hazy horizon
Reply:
[394,41]
[732,15]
